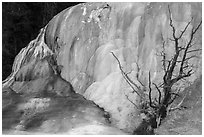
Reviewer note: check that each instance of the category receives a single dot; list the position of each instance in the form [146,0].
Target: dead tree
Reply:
[171,76]
[169,65]
[180,61]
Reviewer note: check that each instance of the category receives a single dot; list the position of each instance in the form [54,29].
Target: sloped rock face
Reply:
[49,105]
[23,114]
[77,44]
[187,121]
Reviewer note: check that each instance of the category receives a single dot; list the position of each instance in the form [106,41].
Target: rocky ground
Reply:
[51,113]
[187,120]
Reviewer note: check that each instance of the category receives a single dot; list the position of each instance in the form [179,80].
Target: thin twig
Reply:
[150,93]
[182,32]
[171,24]
[159,92]
[128,80]
[194,50]
[179,105]
[131,102]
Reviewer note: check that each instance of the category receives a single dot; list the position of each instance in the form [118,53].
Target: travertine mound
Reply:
[77,44]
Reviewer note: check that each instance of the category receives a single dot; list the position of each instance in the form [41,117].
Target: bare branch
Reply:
[164,56]
[177,48]
[128,72]
[141,83]
[194,56]
[194,50]
[179,61]
[150,93]
[179,105]
[150,90]
[182,32]
[127,79]
[181,48]
[172,100]
[196,29]
[176,94]
[192,44]
[162,84]
[159,93]
[171,39]
[187,47]
[185,67]
[138,75]
[131,102]
[167,71]
[181,77]
[171,24]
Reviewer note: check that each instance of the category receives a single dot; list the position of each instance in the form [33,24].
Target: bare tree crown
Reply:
[175,68]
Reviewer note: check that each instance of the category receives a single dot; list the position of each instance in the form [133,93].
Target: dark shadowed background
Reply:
[21,22]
